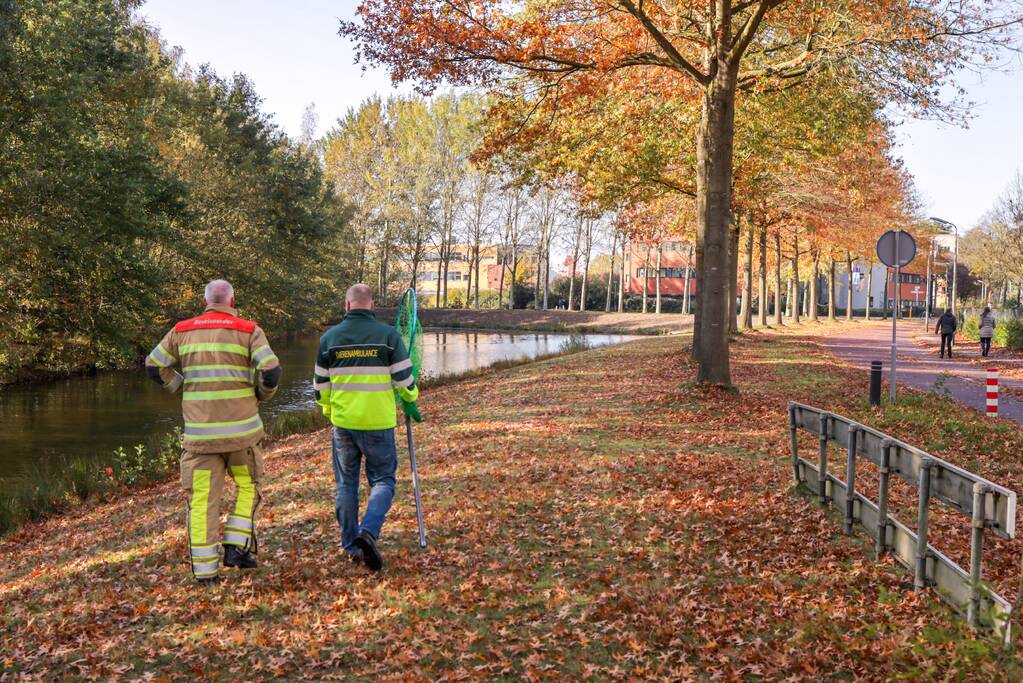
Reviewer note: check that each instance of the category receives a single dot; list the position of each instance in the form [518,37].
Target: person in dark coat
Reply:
[947,325]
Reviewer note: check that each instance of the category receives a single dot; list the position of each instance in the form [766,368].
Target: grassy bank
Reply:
[590,517]
[564,322]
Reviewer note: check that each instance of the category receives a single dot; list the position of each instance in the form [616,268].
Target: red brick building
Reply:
[674,263]
[912,289]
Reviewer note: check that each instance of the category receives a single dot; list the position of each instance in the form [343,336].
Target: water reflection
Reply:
[95,415]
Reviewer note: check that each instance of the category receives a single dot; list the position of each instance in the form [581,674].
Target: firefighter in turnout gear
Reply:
[227,368]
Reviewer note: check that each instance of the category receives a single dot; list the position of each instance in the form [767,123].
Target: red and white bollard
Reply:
[992,392]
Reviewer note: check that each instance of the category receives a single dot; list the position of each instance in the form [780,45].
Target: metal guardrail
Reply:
[988,505]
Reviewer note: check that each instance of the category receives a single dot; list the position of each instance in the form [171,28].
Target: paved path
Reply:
[918,367]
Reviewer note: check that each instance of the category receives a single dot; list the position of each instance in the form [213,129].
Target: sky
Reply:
[291,51]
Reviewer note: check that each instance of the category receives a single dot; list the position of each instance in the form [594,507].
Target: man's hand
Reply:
[411,410]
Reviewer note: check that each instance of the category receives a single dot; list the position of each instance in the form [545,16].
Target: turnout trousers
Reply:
[202,476]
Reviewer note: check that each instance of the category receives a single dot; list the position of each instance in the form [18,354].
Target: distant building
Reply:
[674,264]
[912,290]
[461,275]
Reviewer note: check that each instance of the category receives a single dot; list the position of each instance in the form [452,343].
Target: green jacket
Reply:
[359,361]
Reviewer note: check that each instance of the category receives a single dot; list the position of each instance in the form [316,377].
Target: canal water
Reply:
[93,416]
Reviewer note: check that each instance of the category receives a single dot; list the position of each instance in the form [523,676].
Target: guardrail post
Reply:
[882,498]
[850,478]
[976,551]
[794,443]
[920,576]
[822,462]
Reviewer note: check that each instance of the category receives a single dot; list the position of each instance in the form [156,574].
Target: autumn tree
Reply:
[712,51]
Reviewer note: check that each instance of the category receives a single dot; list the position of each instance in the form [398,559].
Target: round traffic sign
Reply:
[896,242]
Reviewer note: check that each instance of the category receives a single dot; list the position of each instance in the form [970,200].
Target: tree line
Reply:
[678,102]
[422,196]
[128,179]
[993,249]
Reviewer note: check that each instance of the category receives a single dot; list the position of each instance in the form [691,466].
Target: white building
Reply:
[859,286]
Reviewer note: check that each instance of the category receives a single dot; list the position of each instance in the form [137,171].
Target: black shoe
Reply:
[209,581]
[236,557]
[370,555]
[354,558]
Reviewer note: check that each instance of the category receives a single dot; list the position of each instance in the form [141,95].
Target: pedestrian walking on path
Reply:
[947,325]
[228,369]
[360,365]
[987,330]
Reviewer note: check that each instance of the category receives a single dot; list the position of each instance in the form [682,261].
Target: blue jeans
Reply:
[350,447]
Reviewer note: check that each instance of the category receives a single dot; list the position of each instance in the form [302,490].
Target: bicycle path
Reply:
[918,367]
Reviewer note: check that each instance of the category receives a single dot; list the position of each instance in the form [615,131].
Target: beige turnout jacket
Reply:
[227,367]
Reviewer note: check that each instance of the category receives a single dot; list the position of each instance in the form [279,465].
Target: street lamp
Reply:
[955,255]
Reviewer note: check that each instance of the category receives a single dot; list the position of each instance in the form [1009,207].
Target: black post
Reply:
[875,382]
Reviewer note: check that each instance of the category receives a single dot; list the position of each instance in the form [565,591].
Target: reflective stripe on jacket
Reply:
[360,364]
[224,360]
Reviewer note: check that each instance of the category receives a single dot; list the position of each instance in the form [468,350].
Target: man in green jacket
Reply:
[360,366]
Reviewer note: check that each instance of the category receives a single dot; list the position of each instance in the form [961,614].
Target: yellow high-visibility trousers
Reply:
[202,476]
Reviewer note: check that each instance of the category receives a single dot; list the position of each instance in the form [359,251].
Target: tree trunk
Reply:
[815,286]
[476,297]
[713,212]
[511,277]
[657,280]
[733,277]
[611,271]
[689,272]
[790,299]
[849,289]
[778,317]
[795,276]
[546,273]
[831,291]
[385,258]
[440,271]
[747,283]
[884,307]
[468,284]
[586,264]
[762,304]
[646,276]
[539,275]
[621,280]
[870,289]
[447,264]
[500,282]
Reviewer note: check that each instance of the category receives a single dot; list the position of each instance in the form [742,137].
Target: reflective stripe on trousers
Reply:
[205,557]
[240,529]
[205,561]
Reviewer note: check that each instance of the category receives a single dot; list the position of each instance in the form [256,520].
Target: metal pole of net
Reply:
[407,324]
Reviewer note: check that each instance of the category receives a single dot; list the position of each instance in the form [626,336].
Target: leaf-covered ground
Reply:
[593,516]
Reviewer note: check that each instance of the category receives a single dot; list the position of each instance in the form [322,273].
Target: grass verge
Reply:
[593,517]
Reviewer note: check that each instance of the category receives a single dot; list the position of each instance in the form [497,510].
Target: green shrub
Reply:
[971,329]
[1009,333]
[51,484]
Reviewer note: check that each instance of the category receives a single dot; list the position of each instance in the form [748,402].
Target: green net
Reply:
[407,323]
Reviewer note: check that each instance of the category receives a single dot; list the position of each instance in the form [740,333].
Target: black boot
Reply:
[370,555]
[209,581]
[236,557]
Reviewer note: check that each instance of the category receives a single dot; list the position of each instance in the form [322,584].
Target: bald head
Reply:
[219,292]
[358,296]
